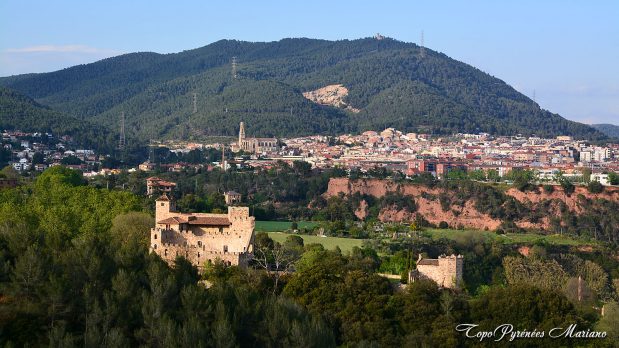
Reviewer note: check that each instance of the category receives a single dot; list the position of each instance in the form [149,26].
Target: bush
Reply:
[595,187]
[443,225]
[549,189]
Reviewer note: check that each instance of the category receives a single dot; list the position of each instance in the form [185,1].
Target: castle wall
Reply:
[448,272]
[232,244]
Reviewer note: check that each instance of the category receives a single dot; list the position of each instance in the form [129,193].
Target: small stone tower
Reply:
[241,135]
[164,207]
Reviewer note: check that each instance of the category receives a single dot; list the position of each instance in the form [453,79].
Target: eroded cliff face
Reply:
[467,215]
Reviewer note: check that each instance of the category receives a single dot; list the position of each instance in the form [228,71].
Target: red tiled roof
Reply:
[175,220]
[196,220]
[210,221]
[433,262]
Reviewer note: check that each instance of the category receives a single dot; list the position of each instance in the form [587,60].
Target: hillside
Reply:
[18,111]
[387,81]
[609,129]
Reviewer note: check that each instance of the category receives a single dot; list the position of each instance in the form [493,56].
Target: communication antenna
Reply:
[195,104]
[121,140]
[234,63]
[422,48]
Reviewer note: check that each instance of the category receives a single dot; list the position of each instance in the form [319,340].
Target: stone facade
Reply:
[446,271]
[232,197]
[256,145]
[202,238]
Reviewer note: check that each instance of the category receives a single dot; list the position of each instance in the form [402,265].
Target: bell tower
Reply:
[241,135]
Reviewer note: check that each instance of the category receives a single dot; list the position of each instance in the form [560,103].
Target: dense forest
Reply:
[609,129]
[389,81]
[19,112]
[76,272]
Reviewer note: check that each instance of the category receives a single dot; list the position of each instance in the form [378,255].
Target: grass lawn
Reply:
[345,244]
[509,238]
[279,226]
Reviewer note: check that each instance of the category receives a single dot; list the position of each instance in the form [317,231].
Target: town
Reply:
[493,157]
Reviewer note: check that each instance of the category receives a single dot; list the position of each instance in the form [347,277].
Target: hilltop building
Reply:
[446,271]
[155,185]
[255,145]
[232,197]
[200,237]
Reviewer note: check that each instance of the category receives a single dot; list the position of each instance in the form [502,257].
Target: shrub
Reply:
[549,189]
[443,225]
[595,187]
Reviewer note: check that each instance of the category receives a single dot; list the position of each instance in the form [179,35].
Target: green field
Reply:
[345,244]
[509,238]
[280,226]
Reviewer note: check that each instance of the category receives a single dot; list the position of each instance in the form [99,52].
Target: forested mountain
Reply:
[609,129]
[393,83]
[18,111]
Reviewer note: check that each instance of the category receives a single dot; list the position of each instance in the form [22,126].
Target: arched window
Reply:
[154,246]
[165,252]
[155,236]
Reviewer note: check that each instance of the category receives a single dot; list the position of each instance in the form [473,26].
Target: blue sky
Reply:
[566,51]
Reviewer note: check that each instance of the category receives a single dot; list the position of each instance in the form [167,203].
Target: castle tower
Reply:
[241,135]
[164,207]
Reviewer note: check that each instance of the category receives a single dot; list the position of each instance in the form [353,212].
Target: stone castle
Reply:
[202,238]
[446,271]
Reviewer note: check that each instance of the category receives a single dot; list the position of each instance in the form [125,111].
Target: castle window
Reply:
[154,246]
[198,255]
[165,252]
[221,230]
[199,243]
[162,204]
[155,236]
[225,248]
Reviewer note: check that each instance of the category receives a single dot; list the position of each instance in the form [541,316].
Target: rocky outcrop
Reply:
[332,95]
[428,205]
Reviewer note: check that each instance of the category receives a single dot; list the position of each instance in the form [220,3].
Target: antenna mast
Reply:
[121,140]
[234,64]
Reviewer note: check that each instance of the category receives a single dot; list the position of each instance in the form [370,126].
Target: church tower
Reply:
[241,135]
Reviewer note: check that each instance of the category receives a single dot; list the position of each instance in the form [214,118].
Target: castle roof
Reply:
[431,262]
[163,197]
[196,220]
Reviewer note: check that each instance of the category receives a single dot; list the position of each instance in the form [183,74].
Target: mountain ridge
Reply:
[421,92]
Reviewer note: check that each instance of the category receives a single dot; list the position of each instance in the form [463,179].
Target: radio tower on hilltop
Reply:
[234,75]
[121,139]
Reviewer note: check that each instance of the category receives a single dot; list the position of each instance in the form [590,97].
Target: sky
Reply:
[565,52]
